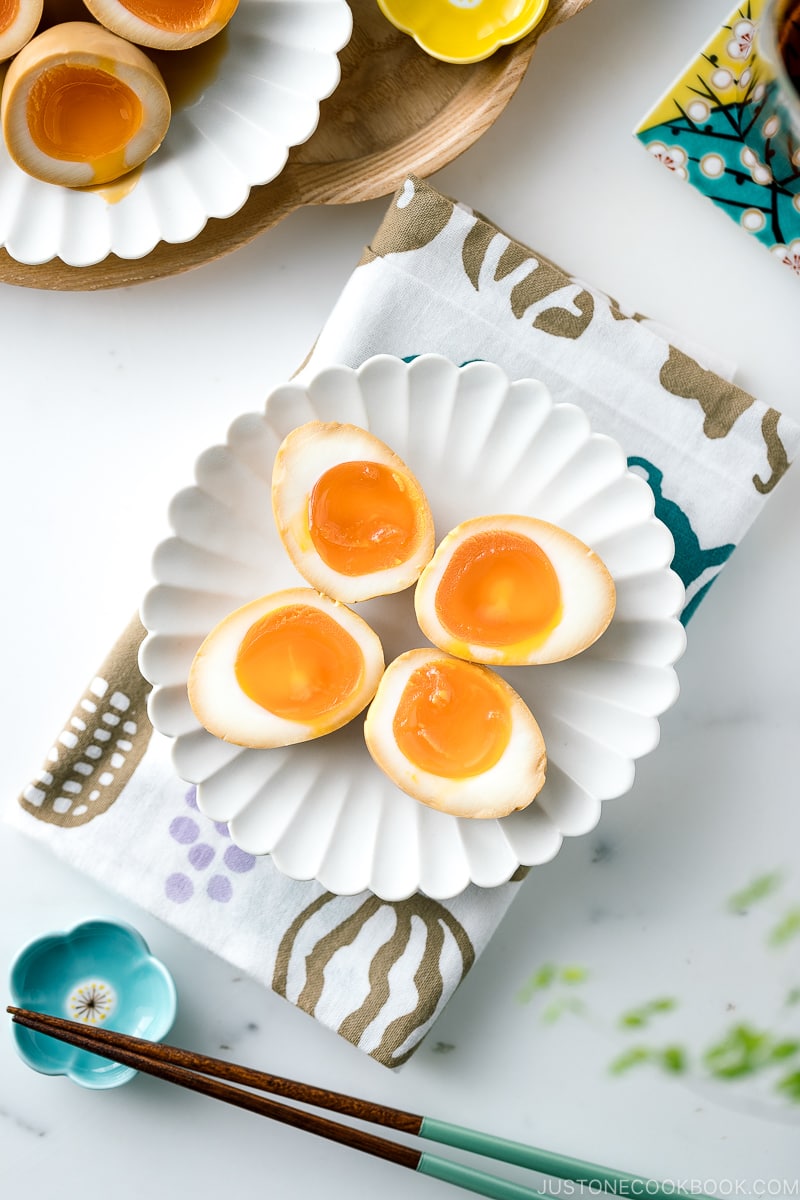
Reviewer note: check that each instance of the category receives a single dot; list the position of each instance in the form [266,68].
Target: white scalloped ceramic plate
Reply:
[240,102]
[478,444]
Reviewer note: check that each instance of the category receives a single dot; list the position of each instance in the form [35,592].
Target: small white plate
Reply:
[478,444]
[240,102]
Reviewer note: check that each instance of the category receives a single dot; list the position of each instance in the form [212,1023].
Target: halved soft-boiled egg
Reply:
[285,668]
[353,518]
[455,736]
[164,24]
[512,590]
[18,23]
[82,106]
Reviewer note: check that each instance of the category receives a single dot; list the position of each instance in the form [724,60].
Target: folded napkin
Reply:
[437,277]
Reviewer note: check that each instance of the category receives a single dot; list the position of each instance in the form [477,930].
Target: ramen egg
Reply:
[82,106]
[18,22]
[353,518]
[285,668]
[512,590]
[455,736]
[164,24]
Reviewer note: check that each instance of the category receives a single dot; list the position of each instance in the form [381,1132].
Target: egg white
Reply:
[225,710]
[512,783]
[116,17]
[588,595]
[303,457]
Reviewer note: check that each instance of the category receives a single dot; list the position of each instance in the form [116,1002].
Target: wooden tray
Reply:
[396,110]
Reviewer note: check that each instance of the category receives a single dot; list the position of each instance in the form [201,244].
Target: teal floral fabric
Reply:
[721,128]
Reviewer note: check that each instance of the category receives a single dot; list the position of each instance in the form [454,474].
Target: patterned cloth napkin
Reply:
[437,277]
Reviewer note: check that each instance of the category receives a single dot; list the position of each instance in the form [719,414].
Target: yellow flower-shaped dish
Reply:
[464,31]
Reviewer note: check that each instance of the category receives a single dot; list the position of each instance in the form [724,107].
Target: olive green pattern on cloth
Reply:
[104,739]
[541,281]
[428,979]
[776,452]
[410,230]
[722,406]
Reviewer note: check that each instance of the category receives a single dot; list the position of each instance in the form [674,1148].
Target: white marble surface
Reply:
[154,374]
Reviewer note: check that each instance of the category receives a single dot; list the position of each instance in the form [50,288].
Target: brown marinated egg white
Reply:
[354,520]
[285,668]
[455,736]
[18,22]
[82,106]
[164,24]
[512,590]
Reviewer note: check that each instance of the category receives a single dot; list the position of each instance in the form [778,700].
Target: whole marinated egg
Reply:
[353,518]
[18,23]
[455,736]
[164,24]
[82,106]
[285,668]
[512,590]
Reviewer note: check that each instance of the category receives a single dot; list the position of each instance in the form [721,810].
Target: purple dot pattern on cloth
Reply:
[179,888]
[238,860]
[185,830]
[220,888]
[201,855]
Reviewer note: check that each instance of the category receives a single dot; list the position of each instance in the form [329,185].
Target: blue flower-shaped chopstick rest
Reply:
[100,973]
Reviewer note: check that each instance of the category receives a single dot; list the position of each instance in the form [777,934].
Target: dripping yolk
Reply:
[298,663]
[172,15]
[499,589]
[82,114]
[452,719]
[362,517]
[8,13]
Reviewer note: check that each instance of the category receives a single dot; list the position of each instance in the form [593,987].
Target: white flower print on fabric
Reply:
[741,44]
[789,255]
[759,171]
[673,157]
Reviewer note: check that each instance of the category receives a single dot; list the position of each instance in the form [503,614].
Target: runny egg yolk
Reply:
[452,720]
[362,517]
[298,663]
[171,14]
[498,589]
[82,113]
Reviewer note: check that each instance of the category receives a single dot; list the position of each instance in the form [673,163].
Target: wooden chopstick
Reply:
[202,1073]
[124,1050]
[290,1089]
